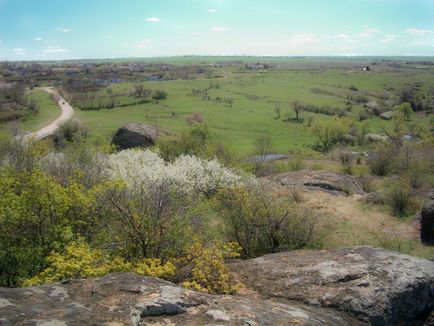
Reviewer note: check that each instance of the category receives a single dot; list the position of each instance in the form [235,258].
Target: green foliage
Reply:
[405,109]
[80,261]
[329,133]
[196,141]
[260,224]
[208,270]
[382,161]
[70,131]
[34,219]
[399,197]
[147,221]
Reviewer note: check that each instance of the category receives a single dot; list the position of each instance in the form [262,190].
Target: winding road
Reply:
[67,113]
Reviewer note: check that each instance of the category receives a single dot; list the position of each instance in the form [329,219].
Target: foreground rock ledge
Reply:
[339,287]
[374,285]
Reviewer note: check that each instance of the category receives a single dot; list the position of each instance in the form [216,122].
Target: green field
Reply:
[48,112]
[253,109]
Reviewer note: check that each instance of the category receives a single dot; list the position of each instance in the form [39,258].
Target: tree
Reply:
[405,109]
[263,146]
[297,107]
[329,132]
[277,110]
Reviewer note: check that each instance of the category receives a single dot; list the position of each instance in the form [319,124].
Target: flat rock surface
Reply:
[355,286]
[128,299]
[374,285]
[329,181]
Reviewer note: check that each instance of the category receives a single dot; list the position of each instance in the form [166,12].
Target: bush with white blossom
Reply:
[188,174]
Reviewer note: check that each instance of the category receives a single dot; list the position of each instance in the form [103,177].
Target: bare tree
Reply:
[277,110]
[263,146]
[297,107]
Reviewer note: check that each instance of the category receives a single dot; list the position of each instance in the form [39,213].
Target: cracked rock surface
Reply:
[374,285]
[354,286]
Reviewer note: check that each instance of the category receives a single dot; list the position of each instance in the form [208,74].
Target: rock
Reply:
[136,135]
[329,181]
[129,299]
[407,138]
[388,115]
[373,198]
[427,223]
[374,285]
[375,138]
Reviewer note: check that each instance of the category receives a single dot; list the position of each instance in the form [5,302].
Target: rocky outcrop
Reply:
[136,135]
[388,115]
[328,287]
[330,181]
[427,223]
[375,138]
[128,299]
[376,286]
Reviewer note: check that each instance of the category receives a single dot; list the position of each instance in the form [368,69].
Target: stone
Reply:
[427,223]
[333,182]
[375,138]
[376,286]
[130,299]
[354,286]
[388,115]
[136,135]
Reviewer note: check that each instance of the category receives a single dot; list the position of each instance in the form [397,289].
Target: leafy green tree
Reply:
[405,109]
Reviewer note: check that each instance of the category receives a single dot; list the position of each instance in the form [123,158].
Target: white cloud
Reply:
[303,38]
[19,51]
[63,30]
[143,44]
[390,38]
[367,32]
[108,36]
[212,10]
[38,39]
[420,42]
[219,29]
[342,36]
[418,32]
[53,49]
[153,20]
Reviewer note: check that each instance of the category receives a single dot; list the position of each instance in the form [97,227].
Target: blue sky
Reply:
[65,29]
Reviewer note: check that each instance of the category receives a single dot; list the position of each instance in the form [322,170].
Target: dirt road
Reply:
[67,113]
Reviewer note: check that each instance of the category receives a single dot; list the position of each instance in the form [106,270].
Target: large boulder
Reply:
[136,135]
[128,299]
[427,223]
[374,285]
[334,182]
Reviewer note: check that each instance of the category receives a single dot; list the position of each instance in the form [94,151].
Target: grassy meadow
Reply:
[48,111]
[255,95]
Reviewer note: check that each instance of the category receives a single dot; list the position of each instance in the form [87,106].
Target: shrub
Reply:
[329,133]
[80,261]
[186,174]
[159,94]
[381,162]
[70,131]
[261,224]
[208,271]
[399,197]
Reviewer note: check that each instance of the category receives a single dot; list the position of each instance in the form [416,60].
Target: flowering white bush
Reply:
[187,174]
